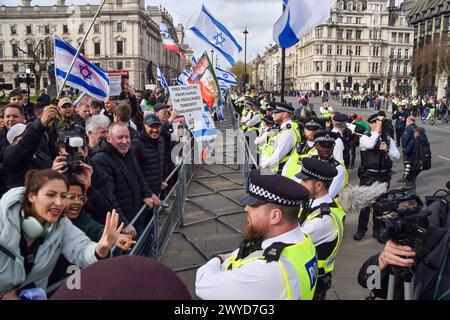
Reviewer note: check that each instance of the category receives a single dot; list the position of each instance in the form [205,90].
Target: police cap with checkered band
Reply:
[273,188]
[317,170]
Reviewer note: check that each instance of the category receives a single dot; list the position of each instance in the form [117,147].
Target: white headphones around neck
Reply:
[33,229]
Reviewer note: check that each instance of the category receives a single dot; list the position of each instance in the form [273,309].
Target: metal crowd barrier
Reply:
[153,240]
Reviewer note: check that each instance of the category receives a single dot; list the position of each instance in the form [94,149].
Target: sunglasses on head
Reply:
[313,128]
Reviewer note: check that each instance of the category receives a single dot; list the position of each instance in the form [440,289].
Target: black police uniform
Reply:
[375,166]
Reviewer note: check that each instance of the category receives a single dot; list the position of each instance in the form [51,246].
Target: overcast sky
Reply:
[258,16]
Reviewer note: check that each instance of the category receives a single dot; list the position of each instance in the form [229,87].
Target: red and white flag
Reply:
[168,42]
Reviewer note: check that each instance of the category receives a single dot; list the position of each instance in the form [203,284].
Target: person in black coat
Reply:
[148,149]
[400,117]
[129,188]
[23,152]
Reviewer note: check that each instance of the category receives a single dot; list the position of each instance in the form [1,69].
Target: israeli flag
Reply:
[217,36]
[84,76]
[225,77]
[183,78]
[160,78]
[299,17]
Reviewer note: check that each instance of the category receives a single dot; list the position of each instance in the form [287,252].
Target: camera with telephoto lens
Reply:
[402,217]
[71,144]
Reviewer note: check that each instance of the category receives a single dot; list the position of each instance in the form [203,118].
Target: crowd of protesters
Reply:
[93,165]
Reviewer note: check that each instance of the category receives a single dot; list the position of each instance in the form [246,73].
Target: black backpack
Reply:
[424,156]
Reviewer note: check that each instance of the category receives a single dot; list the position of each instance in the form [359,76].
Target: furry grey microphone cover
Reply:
[354,198]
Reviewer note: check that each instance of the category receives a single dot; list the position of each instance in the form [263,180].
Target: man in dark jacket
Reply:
[400,123]
[129,188]
[408,145]
[22,154]
[148,149]
[44,98]
[420,139]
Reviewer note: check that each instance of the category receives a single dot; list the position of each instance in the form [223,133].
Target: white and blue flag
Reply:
[299,17]
[226,79]
[160,78]
[84,76]
[183,78]
[216,35]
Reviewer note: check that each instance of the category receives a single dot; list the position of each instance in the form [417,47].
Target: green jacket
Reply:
[88,225]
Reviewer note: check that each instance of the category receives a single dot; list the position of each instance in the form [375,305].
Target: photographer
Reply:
[417,251]
[377,152]
[73,161]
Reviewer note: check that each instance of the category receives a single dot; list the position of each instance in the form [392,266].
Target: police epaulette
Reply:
[334,162]
[273,252]
[325,209]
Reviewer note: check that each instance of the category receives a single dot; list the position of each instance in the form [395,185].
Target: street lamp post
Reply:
[212,58]
[245,59]
[106,62]
[28,72]
[350,80]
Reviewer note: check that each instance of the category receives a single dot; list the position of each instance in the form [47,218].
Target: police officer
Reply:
[293,166]
[253,119]
[325,143]
[377,152]
[322,219]
[276,260]
[342,148]
[283,145]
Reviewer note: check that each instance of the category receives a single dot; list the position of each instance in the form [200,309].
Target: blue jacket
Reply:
[400,119]
[408,141]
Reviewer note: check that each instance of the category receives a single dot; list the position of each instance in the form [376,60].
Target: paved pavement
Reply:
[192,245]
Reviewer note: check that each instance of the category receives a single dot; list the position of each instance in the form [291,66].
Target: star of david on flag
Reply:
[214,33]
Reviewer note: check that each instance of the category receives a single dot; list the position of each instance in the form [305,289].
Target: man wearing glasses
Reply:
[377,153]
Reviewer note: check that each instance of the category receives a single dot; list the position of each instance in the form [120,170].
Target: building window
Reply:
[405,70]
[318,66]
[339,66]
[348,67]
[119,27]
[97,48]
[358,20]
[358,34]
[375,67]
[407,38]
[329,49]
[340,33]
[30,49]
[119,47]
[394,37]
[357,67]
[340,19]
[392,53]
[399,53]
[349,34]
[349,51]
[358,51]
[29,31]
[328,66]
[398,69]
[1,50]
[15,67]
[349,19]
[400,38]
[406,53]
[330,33]
[81,28]
[119,2]
[65,29]
[391,67]
[349,6]
[319,49]
[97,28]
[319,33]
[119,65]
[339,50]
[13,29]
[1,68]
[15,50]
[376,51]
[83,48]
[47,29]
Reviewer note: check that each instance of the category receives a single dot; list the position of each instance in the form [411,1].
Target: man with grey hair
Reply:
[129,188]
[97,129]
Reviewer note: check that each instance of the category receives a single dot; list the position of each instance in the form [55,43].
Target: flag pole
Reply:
[79,49]
[283,66]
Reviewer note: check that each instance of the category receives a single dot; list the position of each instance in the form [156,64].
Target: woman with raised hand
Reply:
[34,233]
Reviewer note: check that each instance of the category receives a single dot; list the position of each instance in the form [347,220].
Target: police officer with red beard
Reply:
[276,260]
